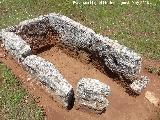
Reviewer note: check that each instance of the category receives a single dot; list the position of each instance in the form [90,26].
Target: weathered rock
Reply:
[138,85]
[91,93]
[51,77]
[15,45]
[116,57]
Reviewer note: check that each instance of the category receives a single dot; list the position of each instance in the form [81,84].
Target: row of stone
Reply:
[90,93]
[118,58]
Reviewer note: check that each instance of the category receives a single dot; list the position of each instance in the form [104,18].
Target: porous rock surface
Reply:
[116,57]
[138,85]
[91,93]
[42,32]
[51,77]
[15,45]
[37,33]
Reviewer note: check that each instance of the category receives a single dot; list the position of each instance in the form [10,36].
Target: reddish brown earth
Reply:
[121,106]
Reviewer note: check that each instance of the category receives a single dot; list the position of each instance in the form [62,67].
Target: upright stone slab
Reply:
[51,77]
[15,45]
[116,57]
[91,94]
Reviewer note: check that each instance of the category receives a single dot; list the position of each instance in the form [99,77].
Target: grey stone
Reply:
[117,58]
[138,85]
[51,77]
[91,93]
[37,26]
[15,45]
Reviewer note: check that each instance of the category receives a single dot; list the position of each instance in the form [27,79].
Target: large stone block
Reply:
[51,77]
[116,57]
[53,28]
[91,94]
[15,45]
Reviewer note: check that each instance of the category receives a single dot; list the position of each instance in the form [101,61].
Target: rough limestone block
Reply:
[138,85]
[116,57]
[15,45]
[51,77]
[91,93]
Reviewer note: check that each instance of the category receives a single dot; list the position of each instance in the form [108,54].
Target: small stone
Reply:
[138,85]
[91,93]
[150,96]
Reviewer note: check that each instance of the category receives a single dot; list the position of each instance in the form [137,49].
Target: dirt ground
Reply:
[122,106]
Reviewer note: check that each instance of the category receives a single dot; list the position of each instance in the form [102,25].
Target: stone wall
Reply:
[33,35]
[51,77]
[118,58]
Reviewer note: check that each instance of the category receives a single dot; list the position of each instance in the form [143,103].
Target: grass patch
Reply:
[15,103]
[136,26]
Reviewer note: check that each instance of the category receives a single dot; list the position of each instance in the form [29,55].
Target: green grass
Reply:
[136,26]
[15,103]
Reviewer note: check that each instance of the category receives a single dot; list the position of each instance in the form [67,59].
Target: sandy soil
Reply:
[122,106]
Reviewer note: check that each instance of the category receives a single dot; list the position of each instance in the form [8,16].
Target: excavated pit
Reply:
[73,63]
[76,61]
[57,43]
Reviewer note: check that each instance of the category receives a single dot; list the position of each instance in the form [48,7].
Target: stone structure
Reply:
[33,35]
[51,77]
[91,93]
[118,58]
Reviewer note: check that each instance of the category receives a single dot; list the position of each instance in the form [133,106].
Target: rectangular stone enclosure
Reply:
[32,36]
